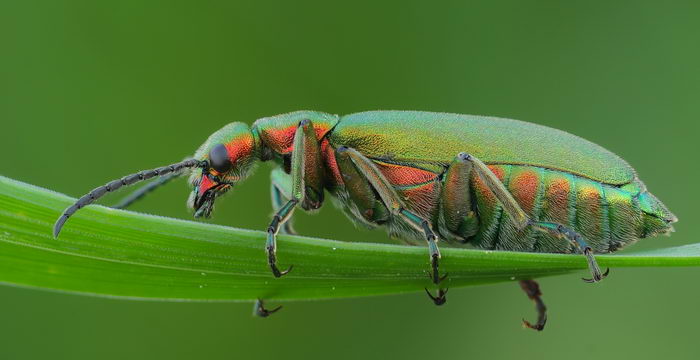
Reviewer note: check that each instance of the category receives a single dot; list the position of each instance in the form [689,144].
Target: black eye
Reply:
[218,156]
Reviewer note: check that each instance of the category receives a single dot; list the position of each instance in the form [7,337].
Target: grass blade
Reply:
[108,252]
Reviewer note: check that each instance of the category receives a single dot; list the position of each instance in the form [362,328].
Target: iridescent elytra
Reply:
[427,177]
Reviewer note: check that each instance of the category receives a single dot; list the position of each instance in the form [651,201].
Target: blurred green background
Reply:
[90,91]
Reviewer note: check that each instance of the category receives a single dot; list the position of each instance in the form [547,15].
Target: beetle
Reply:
[466,180]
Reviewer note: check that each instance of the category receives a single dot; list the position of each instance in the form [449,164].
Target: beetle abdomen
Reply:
[609,217]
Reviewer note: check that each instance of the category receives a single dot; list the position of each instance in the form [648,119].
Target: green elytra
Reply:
[466,180]
[493,140]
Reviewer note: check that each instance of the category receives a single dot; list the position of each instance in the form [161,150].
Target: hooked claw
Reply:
[593,265]
[597,276]
[440,299]
[539,326]
[278,273]
[260,310]
[272,261]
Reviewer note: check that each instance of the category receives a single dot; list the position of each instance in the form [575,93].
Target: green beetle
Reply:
[481,181]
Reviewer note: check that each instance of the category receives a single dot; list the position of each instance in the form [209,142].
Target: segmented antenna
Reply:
[142,191]
[97,193]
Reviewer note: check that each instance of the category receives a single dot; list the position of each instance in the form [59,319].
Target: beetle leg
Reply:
[260,311]
[423,226]
[440,299]
[280,181]
[532,290]
[457,219]
[282,215]
[305,165]
[562,232]
[370,209]
[511,206]
[391,199]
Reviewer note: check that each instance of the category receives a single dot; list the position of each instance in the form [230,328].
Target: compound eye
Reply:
[218,156]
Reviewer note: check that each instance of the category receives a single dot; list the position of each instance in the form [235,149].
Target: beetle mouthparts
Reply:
[204,204]
[204,208]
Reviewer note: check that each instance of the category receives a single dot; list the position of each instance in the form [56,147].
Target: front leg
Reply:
[280,184]
[306,187]
[282,215]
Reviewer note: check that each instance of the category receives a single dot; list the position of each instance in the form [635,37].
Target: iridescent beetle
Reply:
[488,182]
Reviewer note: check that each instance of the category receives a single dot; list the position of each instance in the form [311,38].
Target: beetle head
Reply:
[227,158]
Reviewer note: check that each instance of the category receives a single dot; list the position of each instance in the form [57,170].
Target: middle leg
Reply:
[364,168]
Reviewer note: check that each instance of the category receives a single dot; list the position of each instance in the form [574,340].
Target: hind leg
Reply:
[511,206]
[562,232]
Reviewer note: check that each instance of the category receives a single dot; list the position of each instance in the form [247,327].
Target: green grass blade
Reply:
[107,252]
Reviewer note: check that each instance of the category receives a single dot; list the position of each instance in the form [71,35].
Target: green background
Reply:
[91,91]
